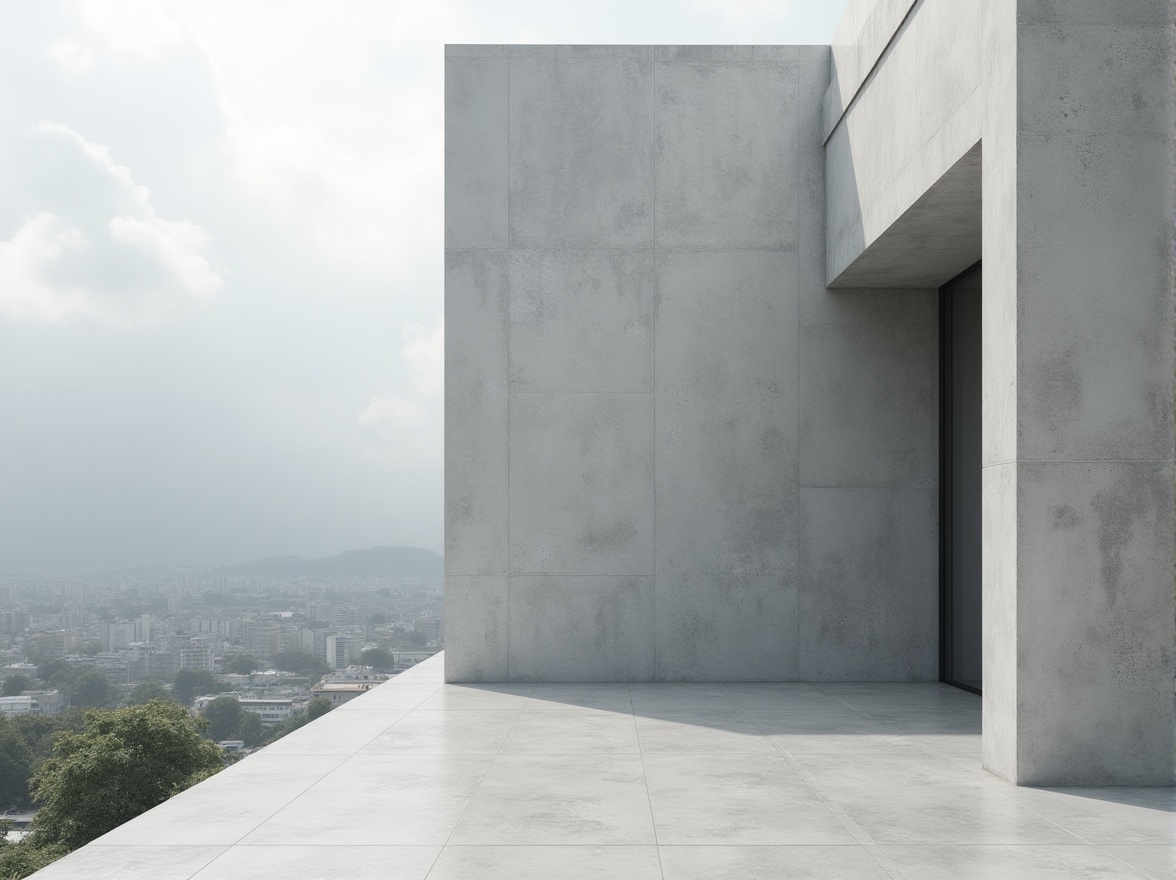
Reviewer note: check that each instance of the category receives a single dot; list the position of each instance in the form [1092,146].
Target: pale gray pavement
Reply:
[419,779]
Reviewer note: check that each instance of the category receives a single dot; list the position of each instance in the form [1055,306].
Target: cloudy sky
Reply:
[220,263]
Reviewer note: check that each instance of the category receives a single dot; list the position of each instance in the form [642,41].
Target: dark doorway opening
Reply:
[960,530]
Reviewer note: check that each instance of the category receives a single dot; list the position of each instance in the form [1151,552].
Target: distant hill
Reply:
[373,562]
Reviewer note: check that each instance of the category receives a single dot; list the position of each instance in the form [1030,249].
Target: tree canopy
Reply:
[224,716]
[301,663]
[146,691]
[242,664]
[189,683]
[26,741]
[378,658]
[46,670]
[317,708]
[17,684]
[125,762]
[91,690]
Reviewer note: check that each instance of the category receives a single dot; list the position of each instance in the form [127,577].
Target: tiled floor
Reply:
[423,780]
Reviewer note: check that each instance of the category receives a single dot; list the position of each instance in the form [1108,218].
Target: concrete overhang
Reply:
[932,242]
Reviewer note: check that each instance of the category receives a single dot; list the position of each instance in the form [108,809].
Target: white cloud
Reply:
[411,426]
[138,31]
[104,256]
[72,57]
[424,352]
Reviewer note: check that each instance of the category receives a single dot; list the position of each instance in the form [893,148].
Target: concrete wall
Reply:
[1078,436]
[1071,102]
[671,454]
[906,107]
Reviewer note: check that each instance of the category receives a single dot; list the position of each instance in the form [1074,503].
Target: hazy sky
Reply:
[221,265]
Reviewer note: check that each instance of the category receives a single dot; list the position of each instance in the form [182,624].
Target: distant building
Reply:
[347,684]
[34,703]
[430,628]
[195,657]
[342,651]
[13,622]
[271,711]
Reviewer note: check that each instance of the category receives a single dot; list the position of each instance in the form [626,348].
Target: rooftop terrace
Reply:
[418,779]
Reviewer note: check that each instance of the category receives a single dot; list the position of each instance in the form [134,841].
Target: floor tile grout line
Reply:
[645,780]
[238,841]
[478,787]
[273,815]
[839,814]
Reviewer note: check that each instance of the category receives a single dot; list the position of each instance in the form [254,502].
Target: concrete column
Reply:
[1078,386]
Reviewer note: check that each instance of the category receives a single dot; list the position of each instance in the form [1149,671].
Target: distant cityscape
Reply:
[273,634]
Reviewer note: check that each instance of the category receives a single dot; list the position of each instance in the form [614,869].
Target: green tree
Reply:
[92,690]
[189,683]
[251,730]
[126,761]
[317,708]
[16,763]
[64,680]
[417,639]
[46,670]
[224,716]
[301,663]
[25,858]
[377,657]
[377,618]
[146,691]
[242,664]
[17,684]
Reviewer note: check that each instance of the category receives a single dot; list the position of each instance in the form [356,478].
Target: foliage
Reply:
[64,680]
[16,760]
[378,657]
[189,683]
[17,684]
[224,716]
[377,618]
[301,663]
[91,690]
[46,670]
[242,664]
[417,639]
[146,691]
[317,708]
[251,730]
[24,858]
[25,742]
[90,648]
[126,761]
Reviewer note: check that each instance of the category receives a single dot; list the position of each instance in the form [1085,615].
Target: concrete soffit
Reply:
[934,240]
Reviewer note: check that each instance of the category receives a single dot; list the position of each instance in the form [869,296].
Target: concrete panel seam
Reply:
[864,79]
[799,396]
[656,311]
[509,243]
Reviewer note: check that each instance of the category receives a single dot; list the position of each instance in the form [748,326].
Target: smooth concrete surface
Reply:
[1072,102]
[419,779]
[934,239]
[918,111]
[676,373]
[1079,387]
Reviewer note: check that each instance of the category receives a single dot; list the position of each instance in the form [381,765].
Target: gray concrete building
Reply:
[828,364]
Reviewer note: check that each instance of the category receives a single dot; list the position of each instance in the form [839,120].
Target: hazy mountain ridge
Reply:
[372,562]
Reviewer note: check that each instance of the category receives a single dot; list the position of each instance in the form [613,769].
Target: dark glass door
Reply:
[960,463]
